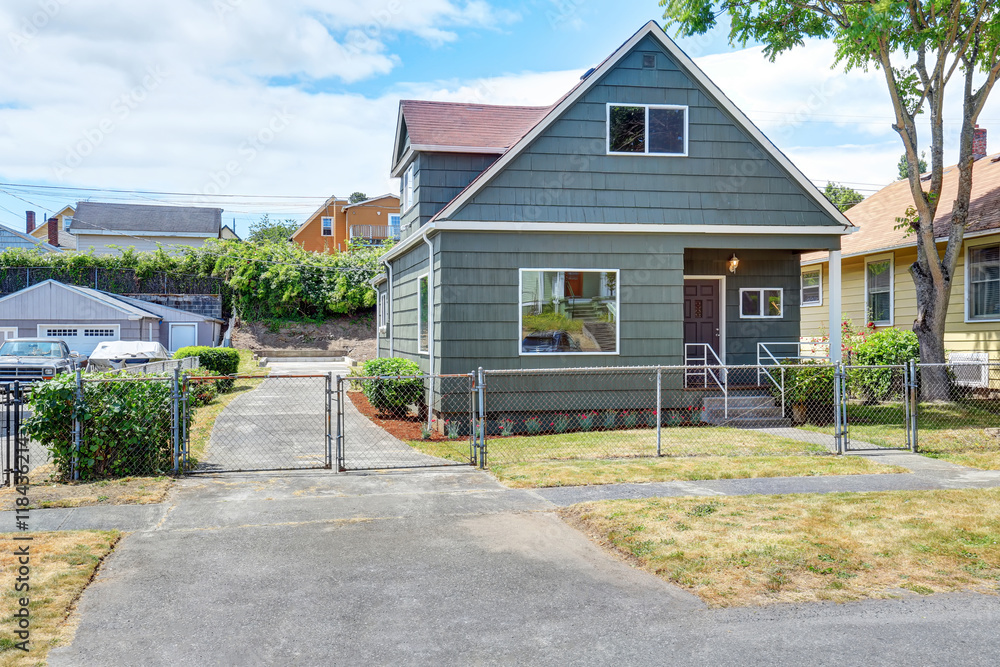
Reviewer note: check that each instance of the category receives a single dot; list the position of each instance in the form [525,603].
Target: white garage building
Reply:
[84,317]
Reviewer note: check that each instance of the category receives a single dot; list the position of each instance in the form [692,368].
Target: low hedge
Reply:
[222,360]
[389,395]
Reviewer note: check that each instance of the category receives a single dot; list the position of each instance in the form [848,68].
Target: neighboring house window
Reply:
[98,333]
[327,226]
[878,291]
[647,130]
[407,189]
[565,311]
[812,287]
[394,220]
[422,314]
[760,302]
[984,282]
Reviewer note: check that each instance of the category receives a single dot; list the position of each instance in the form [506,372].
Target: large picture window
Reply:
[647,130]
[423,313]
[878,291]
[759,302]
[984,282]
[564,311]
[812,286]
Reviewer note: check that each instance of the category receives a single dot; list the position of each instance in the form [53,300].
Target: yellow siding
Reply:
[960,336]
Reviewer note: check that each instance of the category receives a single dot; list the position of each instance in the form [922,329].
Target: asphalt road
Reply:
[447,567]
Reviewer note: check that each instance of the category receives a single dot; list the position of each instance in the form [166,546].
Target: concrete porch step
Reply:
[737,402]
[754,423]
[768,412]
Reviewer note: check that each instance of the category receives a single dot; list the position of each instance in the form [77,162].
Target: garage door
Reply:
[82,338]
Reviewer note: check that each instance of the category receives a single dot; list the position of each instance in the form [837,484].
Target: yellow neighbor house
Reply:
[876,286]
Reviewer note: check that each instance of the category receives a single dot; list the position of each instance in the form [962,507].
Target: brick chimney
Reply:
[30,215]
[979,143]
[53,231]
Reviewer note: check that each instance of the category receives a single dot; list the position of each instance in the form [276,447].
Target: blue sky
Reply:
[265,106]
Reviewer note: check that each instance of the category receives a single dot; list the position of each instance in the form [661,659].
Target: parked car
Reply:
[31,359]
[549,341]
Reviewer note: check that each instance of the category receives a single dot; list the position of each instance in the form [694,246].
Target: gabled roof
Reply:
[94,295]
[685,63]
[328,203]
[876,215]
[374,199]
[28,239]
[98,218]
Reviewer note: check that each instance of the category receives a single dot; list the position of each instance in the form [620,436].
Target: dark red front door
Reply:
[701,314]
[574,284]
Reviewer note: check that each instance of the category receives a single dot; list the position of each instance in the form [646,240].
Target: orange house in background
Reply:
[336,222]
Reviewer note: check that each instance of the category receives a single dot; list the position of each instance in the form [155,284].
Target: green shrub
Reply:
[127,426]
[392,395]
[222,360]
[886,347]
[808,384]
[201,392]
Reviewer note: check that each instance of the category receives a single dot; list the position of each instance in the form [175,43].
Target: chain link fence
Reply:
[958,412]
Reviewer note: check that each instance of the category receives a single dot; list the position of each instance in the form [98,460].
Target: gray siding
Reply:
[438,179]
[565,175]
[406,270]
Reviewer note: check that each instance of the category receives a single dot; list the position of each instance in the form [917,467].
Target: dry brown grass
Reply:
[755,550]
[46,493]
[619,471]
[62,565]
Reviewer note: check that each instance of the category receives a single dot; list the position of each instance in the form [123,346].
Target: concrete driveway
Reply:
[447,567]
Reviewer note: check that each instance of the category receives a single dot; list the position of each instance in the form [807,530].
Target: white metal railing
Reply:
[697,358]
[768,357]
[374,232]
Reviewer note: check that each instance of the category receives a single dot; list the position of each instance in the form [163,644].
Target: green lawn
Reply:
[963,433]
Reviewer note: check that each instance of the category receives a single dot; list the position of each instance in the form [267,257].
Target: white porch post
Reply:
[836,314]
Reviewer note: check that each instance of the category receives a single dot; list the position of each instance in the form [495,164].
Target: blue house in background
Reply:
[642,219]
[11,238]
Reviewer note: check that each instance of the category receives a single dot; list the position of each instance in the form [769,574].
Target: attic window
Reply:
[649,61]
[647,129]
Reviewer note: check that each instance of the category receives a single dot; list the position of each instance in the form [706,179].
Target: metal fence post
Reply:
[185,421]
[77,427]
[176,400]
[482,419]
[914,405]
[340,424]
[659,405]
[329,417]
[838,435]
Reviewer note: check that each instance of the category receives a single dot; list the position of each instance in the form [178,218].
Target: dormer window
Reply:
[647,129]
[407,189]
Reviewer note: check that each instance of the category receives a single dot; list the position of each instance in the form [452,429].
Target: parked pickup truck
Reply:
[30,359]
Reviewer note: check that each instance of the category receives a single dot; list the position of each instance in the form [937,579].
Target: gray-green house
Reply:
[640,220]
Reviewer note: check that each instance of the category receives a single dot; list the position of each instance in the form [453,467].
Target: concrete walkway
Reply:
[443,567]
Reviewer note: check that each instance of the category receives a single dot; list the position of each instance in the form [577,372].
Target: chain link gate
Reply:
[875,407]
[15,446]
[412,421]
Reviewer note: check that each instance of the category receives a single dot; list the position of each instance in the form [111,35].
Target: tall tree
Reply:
[920,47]
[266,230]
[842,196]
[356,197]
[904,166]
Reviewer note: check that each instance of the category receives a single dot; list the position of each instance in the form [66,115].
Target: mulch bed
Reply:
[404,428]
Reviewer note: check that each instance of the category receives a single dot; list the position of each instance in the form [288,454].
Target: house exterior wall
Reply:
[406,270]
[101,243]
[566,175]
[8,240]
[960,336]
[438,178]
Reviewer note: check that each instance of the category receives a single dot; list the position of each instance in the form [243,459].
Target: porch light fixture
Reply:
[733,262]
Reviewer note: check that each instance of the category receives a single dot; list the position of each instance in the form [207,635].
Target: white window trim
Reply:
[322,225]
[969,319]
[892,288]
[170,333]
[398,218]
[802,299]
[407,188]
[761,290]
[5,330]
[618,320]
[419,307]
[647,107]
[382,312]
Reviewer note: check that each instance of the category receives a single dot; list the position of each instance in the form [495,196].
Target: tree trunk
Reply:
[929,326]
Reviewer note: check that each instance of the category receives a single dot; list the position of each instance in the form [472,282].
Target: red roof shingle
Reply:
[468,125]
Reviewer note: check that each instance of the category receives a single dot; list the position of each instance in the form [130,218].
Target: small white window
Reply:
[423,313]
[761,302]
[878,290]
[637,129]
[394,220]
[56,332]
[383,312]
[327,226]
[984,282]
[98,333]
[407,189]
[812,286]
